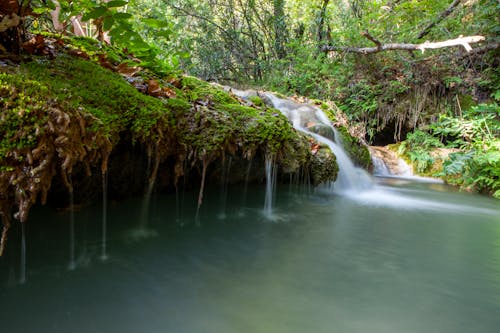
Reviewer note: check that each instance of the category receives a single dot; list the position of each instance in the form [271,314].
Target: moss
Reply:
[196,89]
[324,166]
[358,152]
[256,100]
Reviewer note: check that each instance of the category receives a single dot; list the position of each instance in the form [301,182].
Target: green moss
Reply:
[256,100]
[196,89]
[75,86]
[324,166]
[356,150]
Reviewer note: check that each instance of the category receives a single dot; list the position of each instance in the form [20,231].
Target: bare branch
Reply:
[441,17]
[461,41]
[370,37]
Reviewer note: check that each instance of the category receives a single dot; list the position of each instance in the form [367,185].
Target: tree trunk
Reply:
[11,32]
[279,28]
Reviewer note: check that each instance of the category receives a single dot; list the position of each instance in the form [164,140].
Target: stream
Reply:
[404,257]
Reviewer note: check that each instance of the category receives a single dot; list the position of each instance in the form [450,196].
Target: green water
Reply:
[404,257]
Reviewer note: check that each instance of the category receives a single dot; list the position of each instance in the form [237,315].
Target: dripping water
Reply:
[241,213]
[104,254]
[22,268]
[224,184]
[271,169]
[72,262]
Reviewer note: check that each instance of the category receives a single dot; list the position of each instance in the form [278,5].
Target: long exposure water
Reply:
[400,257]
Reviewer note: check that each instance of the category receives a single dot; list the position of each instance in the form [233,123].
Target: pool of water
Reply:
[404,256]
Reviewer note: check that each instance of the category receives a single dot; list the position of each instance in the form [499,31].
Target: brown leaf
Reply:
[35,45]
[169,92]
[79,53]
[104,62]
[314,148]
[126,70]
[175,82]
[154,88]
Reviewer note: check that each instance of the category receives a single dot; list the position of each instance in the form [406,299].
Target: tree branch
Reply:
[370,37]
[461,41]
[441,17]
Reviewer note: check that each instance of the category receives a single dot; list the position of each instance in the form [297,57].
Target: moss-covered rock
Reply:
[324,166]
[358,152]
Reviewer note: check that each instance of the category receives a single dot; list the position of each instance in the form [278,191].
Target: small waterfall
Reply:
[271,171]
[388,164]
[308,118]
[104,254]
[379,167]
[22,268]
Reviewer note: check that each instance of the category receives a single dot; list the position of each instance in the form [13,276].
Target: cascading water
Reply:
[271,170]
[379,167]
[305,118]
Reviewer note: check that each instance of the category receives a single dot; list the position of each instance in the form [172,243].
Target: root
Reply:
[5,229]
[202,186]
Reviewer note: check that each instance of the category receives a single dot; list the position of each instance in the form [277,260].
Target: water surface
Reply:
[401,257]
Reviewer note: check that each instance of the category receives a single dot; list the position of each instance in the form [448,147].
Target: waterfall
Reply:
[271,170]
[104,254]
[379,167]
[388,164]
[310,119]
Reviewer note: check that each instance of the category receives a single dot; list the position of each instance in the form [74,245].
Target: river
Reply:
[404,256]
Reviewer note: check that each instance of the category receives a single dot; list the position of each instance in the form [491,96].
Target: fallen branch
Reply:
[461,41]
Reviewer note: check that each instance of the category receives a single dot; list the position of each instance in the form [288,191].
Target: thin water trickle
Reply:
[271,170]
[22,268]
[72,261]
[104,253]
[245,186]
[224,184]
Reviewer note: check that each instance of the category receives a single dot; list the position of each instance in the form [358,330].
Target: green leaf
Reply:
[95,13]
[116,3]
[108,22]
[154,23]
[122,16]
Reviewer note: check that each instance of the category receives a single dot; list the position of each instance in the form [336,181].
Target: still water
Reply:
[403,257]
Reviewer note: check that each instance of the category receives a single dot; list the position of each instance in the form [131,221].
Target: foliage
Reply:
[474,140]
[477,165]
[418,147]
